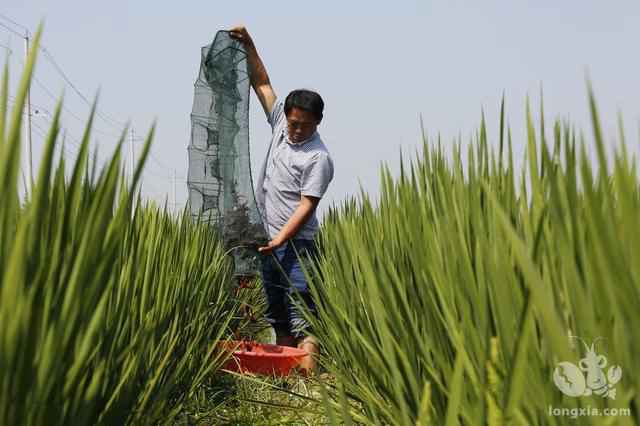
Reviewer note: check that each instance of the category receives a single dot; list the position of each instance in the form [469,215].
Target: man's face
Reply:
[301,124]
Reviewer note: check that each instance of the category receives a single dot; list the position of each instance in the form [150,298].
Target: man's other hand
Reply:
[271,245]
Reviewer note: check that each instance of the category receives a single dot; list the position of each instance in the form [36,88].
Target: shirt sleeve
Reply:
[317,175]
[277,114]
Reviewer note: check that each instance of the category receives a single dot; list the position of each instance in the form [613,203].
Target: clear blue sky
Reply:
[378,65]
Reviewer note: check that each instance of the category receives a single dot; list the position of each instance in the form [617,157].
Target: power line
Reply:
[153,157]
[49,56]
[74,141]
[154,189]
[72,138]
[108,120]
[43,134]
[71,113]
[13,22]
[147,185]
[112,122]
[12,99]
[47,116]
[179,178]
[12,30]
[48,92]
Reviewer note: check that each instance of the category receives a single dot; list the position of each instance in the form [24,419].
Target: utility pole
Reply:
[27,124]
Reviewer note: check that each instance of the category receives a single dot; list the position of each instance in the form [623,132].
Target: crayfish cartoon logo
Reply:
[572,381]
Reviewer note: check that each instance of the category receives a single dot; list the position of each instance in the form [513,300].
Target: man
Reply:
[294,177]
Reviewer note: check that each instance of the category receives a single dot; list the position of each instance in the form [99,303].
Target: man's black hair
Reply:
[306,100]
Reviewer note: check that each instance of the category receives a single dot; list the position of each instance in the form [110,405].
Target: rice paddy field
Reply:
[469,293]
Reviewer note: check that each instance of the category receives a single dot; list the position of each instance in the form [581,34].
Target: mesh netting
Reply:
[219,178]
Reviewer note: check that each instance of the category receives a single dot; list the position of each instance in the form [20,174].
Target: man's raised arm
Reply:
[257,72]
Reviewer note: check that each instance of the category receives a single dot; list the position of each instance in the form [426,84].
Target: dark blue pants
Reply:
[284,282]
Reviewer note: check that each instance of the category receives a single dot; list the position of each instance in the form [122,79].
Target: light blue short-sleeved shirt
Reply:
[289,171]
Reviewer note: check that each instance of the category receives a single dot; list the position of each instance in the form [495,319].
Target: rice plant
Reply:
[111,310]
[455,298]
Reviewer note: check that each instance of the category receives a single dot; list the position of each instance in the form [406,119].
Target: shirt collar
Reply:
[285,134]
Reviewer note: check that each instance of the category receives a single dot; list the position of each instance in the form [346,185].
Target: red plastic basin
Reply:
[262,358]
